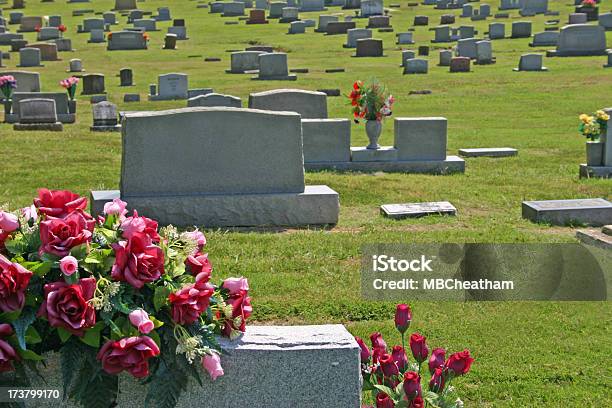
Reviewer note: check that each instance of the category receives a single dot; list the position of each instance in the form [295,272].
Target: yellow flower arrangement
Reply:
[601,115]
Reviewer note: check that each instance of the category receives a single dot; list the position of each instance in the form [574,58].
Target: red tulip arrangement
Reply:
[397,383]
[370,102]
[110,294]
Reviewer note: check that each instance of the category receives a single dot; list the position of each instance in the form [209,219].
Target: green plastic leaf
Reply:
[9,316]
[385,389]
[80,251]
[32,336]
[160,298]
[21,325]
[92,336]
[71,360]
[156,323]
[64,334]
[17,246]
[30,355]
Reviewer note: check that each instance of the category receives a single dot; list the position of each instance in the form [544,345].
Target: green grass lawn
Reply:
[527,353]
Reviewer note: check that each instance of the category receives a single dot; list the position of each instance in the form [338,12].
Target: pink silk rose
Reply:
[135,224]
[69,265]
[241,311]
[212,364]
[129,354]
[140,319]
[68,306]
[14,280]
[235,285]
[117,207]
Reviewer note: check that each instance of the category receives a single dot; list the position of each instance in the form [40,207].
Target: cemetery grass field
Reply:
[527,353]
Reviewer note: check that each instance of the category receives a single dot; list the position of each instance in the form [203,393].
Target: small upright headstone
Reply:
[126,77]
[445,58]
[415,66]
[29,57]
[531,62]
[273,66]
[76,65]
[105,117]
[369,47]
[521,29]
[460,64]
[93,84]
[170,42]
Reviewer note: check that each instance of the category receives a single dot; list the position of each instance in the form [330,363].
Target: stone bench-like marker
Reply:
[591,211]
[65,114]
[38,114]
[415,210]
[419,147]
[488,152]
[218,167]
[269,366]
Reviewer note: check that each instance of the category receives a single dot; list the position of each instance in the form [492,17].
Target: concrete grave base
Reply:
[317,205]
[590,211]
[49,127]
[488,152]
[116,128]
[595,237]
[595,171]
[452,164]
[275,78]
[543,69]
[555,53]
[61,117]
[260,367]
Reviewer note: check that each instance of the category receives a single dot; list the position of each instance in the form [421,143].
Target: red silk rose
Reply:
[399,356]
[388,366]
[459,363]
[129,354]
[417,403]
[58,203]
[198,263]
[137,261]
[419,348]
[60,235]
[7,352]
[383,401]
[437,359]
[364,353]
[436,384]
[378,346]
[403,317]
[241,311]
[412,385]
[190,302]
[68,306]
[14,280]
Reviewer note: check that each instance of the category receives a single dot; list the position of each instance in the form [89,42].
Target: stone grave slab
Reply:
[590,211]
[488,152]
[414,210]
